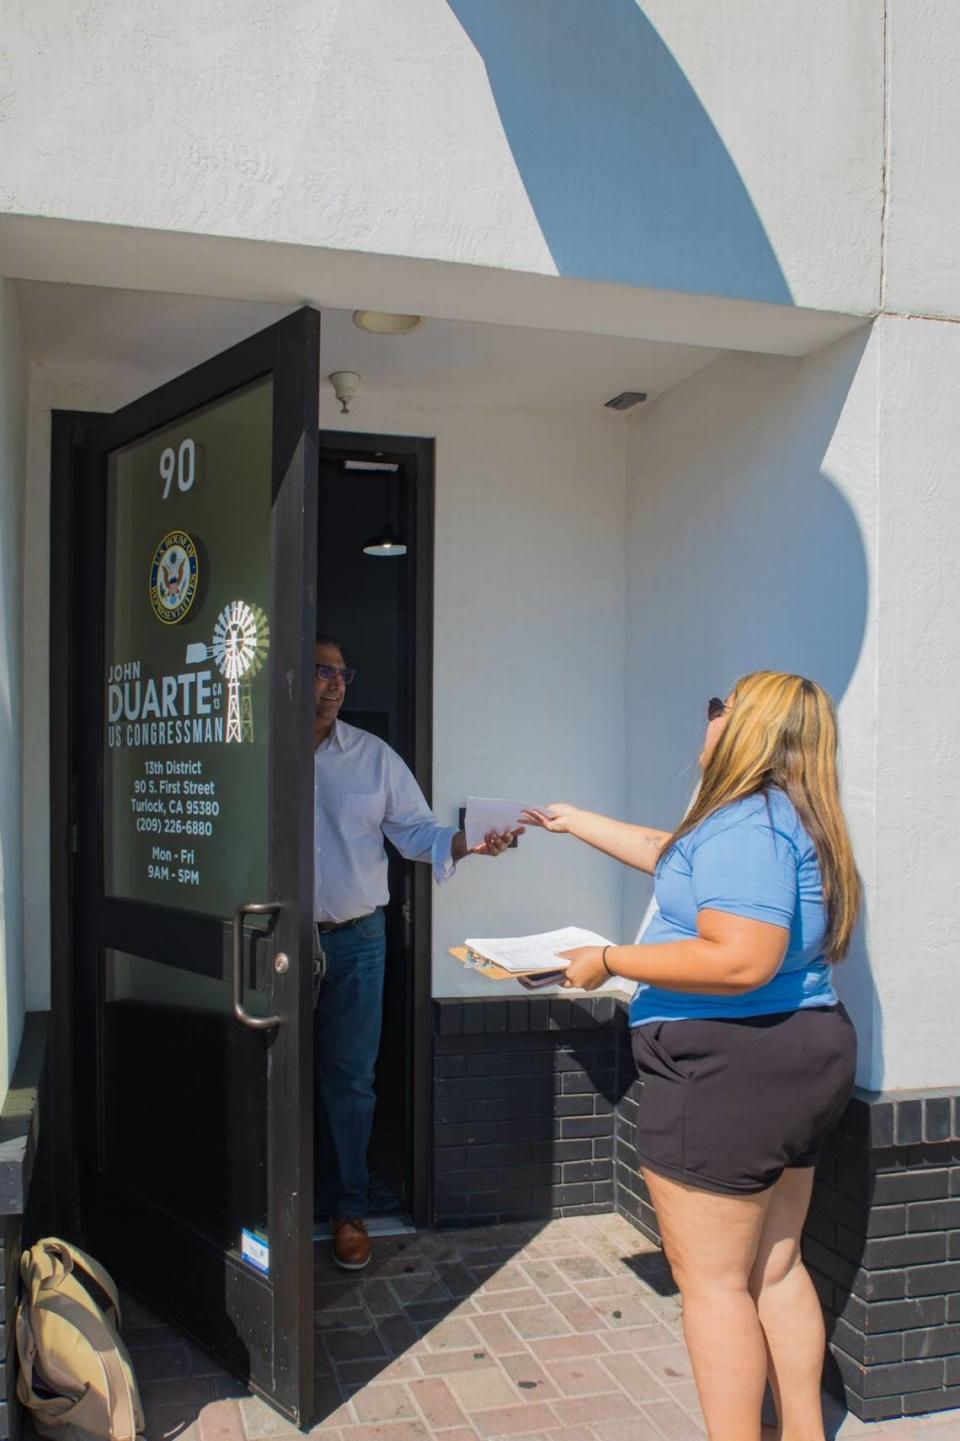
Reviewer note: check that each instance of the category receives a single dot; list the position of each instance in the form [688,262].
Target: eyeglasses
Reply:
[716,708]
[334,672]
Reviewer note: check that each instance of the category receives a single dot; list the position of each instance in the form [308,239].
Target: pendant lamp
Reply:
[386,544]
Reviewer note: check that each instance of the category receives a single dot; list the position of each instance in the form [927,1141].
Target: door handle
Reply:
[319,966]
[407,908]
[250,908]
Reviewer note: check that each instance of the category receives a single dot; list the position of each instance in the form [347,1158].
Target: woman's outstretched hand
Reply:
[637,846]
[556,817]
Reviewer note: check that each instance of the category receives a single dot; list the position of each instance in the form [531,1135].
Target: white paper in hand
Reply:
[534,953]
[486,814]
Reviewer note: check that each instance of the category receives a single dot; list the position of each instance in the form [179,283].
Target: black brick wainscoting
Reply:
[525,1096]
[535,1108]
[883,1246]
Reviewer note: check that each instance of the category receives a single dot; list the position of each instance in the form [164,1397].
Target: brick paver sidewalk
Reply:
[564,1331]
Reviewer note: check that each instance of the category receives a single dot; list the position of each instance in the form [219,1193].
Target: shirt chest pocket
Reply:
[362,814]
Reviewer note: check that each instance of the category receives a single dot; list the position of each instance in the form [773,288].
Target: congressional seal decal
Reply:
[174,576]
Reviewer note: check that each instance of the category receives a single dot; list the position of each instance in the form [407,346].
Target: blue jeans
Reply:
[346,1027]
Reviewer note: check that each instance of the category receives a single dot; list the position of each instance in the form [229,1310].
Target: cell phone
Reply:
[545,978]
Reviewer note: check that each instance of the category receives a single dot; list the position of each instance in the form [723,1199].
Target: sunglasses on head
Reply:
[334,672]
[716,708]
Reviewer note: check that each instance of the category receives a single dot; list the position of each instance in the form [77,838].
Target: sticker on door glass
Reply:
[174,576]
[187,589]
[255,1250]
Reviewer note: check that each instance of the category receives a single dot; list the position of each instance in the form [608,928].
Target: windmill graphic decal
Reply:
[241,639]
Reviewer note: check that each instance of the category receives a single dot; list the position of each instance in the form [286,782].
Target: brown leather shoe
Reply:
[352,1248]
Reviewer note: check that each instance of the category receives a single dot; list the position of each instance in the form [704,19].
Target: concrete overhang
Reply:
[81,253]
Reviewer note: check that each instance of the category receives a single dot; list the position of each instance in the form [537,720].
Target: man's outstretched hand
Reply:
[494,843]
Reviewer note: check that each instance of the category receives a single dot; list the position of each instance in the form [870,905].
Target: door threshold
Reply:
[376,1225]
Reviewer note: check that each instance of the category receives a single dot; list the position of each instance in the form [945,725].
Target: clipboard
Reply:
[493,972]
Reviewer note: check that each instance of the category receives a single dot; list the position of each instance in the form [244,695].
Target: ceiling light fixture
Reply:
[381,322]
[386,545]
[345,384]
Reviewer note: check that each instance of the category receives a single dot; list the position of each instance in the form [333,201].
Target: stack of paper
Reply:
[531,955]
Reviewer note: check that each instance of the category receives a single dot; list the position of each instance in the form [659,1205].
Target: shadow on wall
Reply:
[626,174]
[744,555]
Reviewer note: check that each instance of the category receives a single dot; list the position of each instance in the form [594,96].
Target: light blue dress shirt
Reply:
[363,791]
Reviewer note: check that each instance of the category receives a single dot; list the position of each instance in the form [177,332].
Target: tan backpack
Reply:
[76,1377]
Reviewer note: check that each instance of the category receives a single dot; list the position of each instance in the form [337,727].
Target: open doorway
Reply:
[380,609]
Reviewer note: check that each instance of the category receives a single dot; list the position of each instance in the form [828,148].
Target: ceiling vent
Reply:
[625,399]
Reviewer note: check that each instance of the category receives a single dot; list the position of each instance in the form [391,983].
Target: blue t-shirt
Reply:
[752,858]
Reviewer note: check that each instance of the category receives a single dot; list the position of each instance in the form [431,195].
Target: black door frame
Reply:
[418,529]
[62,1119]
[290,349]
[67,428]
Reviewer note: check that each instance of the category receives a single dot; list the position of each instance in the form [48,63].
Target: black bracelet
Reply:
[603,957]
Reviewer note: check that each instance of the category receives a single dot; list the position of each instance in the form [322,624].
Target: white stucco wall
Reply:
[922,256]
[529,629]
[731,150]
[915,908]
[597,579]
[803,516]
[528,653]
[751,544]
[13,394]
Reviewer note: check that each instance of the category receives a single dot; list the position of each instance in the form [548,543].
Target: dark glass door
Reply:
[197,595]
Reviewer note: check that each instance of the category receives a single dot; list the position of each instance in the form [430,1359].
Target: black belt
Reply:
[325,927]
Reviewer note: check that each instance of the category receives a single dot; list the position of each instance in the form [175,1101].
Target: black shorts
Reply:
[729,1105]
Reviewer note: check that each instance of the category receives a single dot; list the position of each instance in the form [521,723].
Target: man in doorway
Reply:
[363,791]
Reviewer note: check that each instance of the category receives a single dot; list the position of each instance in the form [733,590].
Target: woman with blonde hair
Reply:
[747,1057]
